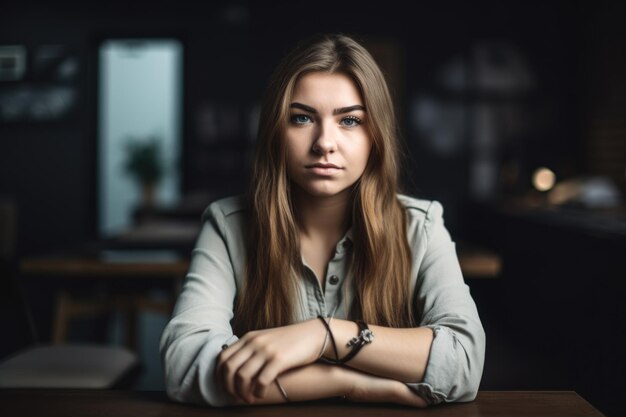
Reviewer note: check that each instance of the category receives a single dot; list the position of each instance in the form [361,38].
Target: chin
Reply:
[323,192]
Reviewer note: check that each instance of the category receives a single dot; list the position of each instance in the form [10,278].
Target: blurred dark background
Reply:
[512,114]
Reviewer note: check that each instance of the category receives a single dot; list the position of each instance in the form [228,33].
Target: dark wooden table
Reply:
[69,403]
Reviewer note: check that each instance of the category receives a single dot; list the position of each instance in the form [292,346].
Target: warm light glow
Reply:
[543,179]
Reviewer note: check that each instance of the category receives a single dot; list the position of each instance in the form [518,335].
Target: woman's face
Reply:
[326,136]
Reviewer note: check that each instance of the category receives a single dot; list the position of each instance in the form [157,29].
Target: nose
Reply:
[325,142]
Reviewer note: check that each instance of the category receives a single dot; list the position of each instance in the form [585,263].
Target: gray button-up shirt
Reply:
[200,324]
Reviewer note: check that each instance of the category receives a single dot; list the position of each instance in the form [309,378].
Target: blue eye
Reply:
[300,119]
[351,121]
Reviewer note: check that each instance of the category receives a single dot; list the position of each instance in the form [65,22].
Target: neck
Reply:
[323,216]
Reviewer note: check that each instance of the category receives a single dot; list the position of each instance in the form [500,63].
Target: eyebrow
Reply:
[335,111]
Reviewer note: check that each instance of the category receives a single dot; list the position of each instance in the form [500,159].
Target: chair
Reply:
[26,364]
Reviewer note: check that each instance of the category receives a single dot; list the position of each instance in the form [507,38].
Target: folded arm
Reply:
[248,368]
[400,354]
[317,381]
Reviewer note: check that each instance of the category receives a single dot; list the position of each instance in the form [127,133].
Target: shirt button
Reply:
[333,279]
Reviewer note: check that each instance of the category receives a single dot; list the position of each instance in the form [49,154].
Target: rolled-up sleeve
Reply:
[200,323]
[443,300]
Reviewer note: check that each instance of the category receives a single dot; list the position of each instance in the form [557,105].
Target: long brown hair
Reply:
[382,257]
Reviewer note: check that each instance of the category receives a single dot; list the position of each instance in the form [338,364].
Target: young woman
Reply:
[324,281]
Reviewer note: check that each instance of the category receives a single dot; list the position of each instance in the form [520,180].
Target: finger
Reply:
[266,377]
[230,368]
[217,372]
[224,355]
[245,376]
[228,351]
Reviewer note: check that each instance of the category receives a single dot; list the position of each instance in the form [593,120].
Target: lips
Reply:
[324,169]
[321,165]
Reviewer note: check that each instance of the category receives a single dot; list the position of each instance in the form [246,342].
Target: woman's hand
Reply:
[250,365]
[371,388]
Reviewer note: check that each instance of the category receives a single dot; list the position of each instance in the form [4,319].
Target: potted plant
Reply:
[143,163]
